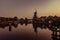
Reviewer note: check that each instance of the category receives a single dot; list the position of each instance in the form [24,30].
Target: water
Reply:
[23,32]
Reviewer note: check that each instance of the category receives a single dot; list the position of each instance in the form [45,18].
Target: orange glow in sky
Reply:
[25,8]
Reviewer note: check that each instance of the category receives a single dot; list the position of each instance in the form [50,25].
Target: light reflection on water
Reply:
[23,32]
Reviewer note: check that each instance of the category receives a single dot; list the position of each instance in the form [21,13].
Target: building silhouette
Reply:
[35,21]
[35,14]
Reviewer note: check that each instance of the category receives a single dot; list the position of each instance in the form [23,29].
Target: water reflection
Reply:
[53,28]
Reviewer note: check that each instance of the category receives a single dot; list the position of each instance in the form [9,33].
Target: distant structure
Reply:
[35,14]
[35,23]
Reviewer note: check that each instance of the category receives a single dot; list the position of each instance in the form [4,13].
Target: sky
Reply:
[26,8]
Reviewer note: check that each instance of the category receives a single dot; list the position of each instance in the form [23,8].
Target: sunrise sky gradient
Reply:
[26,8]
